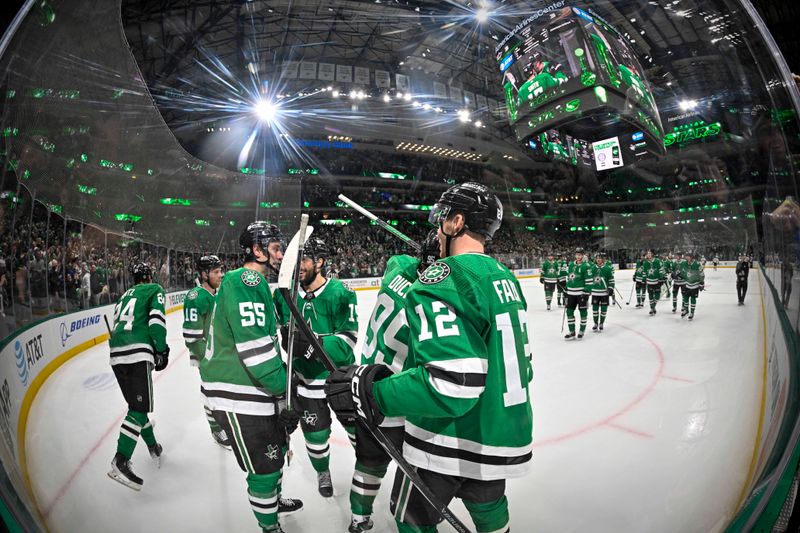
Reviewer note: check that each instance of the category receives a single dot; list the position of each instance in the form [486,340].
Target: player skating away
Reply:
[715,261]
[548,276]
[330,310]
[678,283]
[138,344]
[742,273]
[602,289]
[692,273]
[386,342]
[468,427]
[639,281]
[578,287]
[666,264]
[244,378]
[197,308]
[654,277]
[563,272]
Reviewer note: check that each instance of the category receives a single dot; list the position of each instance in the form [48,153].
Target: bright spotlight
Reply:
[463,115]
[387,98]
[482,15]
[478,124]
[335,94]
[407,97]
[265,110]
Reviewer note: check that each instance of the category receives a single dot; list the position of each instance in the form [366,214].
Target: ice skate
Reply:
[121,472]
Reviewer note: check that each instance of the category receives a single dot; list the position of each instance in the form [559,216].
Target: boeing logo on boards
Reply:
[75,325]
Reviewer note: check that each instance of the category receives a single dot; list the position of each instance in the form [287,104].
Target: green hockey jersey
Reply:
[140,326]
[549,271]
[693,274]
[464,390]
[197,307]
[386,340]
[242,371]
[653,271]
[578,279]
[563,271]
[638,273]
[677,267]
[602,279]
[331,312]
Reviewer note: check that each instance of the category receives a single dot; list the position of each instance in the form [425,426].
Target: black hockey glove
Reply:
[302,347]
[161,359]
[703,287]
[541,280]
[288,420]
[349,392]
[285,338]
[611,293]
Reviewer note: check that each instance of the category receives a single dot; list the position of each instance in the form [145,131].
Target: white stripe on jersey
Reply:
[464,444]
[156,322]
[453,390]
[134,346]
[241,407]
[454,466]
[465,365]
[156,312]
[253,344]
[258,359]
[349,340]
[187,331]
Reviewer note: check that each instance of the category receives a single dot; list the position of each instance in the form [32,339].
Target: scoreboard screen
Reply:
[565,64]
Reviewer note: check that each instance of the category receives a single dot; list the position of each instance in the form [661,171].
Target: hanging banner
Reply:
[290,69]
[327,71]
[344,73]
[469,99]
[362,76]
[457,96]
[382,79]
[440,90]
[308,70]
[402,82]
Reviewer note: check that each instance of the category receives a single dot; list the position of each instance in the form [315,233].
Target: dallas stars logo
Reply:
[273,452]
[572,277]
[251,278]
[435,273]
[310,418]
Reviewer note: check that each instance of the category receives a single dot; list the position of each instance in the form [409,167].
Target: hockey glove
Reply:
[288,420]
[161,359]
[349,392]
[302,347]
[285,338]
[541,280]
[703,287]
[611,292]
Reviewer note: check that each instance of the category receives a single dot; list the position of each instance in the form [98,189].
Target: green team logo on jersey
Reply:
[435,273]
[192,295]
[251,278]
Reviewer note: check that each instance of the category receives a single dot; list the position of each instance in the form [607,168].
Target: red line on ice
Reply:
[675,378]
[629,430]
[115,425]
[607,421]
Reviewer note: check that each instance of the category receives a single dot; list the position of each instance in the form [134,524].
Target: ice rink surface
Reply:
[649,426]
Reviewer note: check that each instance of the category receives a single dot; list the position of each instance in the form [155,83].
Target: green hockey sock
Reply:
[351,434]
[129,432]
[365,487]
[262,490]
[603,312]
[148,435]
[489,517]
[319,452]
[584,315]
[408,528]
[596,312]
[571,319]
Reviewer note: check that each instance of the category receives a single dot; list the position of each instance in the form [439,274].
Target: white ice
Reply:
[648,426]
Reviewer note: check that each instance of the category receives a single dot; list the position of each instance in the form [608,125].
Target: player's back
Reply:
[472,319]
[386,340]
[137,310]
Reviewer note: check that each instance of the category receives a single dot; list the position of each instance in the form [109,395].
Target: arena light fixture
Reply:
[482,15]
[265,110]
[463,115]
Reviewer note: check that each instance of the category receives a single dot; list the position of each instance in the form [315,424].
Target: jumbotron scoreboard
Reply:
[571,82]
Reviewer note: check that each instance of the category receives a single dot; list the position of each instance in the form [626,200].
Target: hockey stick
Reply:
[292,272]
[563,315]
[107,326]
[376,432]
[615,298]
[631,296]
[394,231]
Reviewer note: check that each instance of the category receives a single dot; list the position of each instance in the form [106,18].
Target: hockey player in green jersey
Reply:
[578,288]
[561,286]
[244,378]
[330,310]
[667,265]
[386,342]
[468,428]
[654,277]
[694,276]
[639,281]
[678,283]
[602,289]
[138,344]
[197,308]
[548,276]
